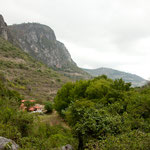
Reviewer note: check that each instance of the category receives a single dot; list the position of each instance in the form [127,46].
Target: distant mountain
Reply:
[115,74]
[40,42]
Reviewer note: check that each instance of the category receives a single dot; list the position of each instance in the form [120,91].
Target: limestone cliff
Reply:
[3,28]
[41,43]
[4,31]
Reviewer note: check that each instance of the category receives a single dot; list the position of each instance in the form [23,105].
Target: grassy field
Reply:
[53,119]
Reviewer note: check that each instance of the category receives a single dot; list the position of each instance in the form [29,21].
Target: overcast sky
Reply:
[97,33]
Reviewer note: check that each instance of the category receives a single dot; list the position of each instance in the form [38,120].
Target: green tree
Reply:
[88,122]
[64,97]
[48,107]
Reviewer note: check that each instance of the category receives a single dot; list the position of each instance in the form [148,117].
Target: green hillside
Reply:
[28,130]
[32,79]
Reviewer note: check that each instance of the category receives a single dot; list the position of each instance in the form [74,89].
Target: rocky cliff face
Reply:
[40,42]
[4,31]
[3,28]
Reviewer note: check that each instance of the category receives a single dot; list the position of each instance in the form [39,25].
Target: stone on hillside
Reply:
[67,147]
[8,143]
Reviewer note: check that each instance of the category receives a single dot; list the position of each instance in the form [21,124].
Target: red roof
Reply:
[37,107]
[23,101]
[27,100]
[32,100]
[31,109]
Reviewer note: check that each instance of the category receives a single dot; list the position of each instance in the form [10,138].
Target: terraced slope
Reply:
[31,78]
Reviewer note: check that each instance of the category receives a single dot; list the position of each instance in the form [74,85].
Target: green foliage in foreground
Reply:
[25,128]
[106,114]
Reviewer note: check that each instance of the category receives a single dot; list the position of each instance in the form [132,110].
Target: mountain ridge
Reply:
[115,74]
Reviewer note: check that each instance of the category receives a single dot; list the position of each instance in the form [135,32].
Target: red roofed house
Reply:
[35,108]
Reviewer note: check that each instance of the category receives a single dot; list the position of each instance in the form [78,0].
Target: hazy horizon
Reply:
[113,34]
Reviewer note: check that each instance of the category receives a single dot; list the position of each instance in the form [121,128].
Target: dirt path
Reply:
[54,119]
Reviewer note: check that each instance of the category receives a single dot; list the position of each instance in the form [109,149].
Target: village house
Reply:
[35,108]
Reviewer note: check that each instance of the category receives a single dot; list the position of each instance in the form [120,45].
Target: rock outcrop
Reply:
[4,31]
[67,147]
[8,144]
[40,42]
[3,28]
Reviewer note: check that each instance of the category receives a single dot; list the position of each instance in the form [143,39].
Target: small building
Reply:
[36,108]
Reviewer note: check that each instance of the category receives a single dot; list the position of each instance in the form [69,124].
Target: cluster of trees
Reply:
[106,114]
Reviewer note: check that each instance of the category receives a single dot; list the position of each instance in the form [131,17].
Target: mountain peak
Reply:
[40,42]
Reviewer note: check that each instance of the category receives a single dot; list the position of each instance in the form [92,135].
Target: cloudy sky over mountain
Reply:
[97,33]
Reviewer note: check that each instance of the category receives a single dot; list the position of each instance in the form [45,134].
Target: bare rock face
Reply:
[4,31]
[3,28]
[40,42]
[7,143]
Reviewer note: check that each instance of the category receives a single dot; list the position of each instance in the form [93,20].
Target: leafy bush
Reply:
[64,97]
[133,140]
[48,107]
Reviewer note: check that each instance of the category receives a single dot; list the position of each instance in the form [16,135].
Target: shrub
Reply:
[48,107]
